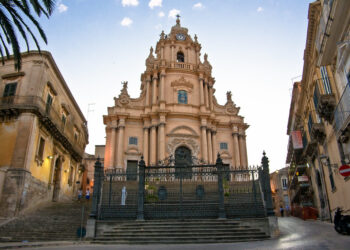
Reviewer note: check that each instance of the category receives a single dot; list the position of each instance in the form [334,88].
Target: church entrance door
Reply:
[183,162]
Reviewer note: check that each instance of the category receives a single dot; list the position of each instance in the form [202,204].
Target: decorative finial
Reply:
[162,35]
[151,50]
[178,19]
[205,57]
[264,153]
[195,38]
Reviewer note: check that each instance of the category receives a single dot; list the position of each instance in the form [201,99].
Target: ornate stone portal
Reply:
[176,108]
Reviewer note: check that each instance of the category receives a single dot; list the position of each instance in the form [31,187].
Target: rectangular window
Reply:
[325,80]
[64,118]
[10,89]
[182,97]
[49,100]
[132,140]
[284,184]
[309,123]
[41,148]
[316,95]
[223,145]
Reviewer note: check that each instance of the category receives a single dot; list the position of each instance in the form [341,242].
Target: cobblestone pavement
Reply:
[295,234]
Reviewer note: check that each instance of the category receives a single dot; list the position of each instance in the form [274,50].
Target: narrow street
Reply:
[295,234]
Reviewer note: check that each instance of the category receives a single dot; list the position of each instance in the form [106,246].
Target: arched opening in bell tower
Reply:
[180,57]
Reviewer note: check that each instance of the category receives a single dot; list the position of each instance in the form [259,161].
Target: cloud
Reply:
[161,14]
[173,13]
[130,3]
[62,8]
[198,6]
[260,9]
[155,3]
[126,22]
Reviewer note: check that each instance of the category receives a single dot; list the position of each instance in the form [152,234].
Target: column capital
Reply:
[200,78]
[235,134]
[203,126]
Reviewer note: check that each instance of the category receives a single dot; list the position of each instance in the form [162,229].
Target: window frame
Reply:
[133,139]
[182,93]
[8,91]
[182,56]
[223,143]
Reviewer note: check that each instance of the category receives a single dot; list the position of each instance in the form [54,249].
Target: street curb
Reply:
[15,245]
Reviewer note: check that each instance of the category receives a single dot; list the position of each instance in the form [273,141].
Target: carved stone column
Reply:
[162,91]
[204,143]
[206,94]
[237,162]
[211,99]
[161,135]
[172,53]
[154,90]
[201,91]
[145,144]
[148,92]
[120,154]
[243,150]
[210,148]
[153,141]
[213,136]
[112,147]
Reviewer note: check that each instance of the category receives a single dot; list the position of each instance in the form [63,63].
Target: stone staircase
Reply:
[180,231]
[56,221]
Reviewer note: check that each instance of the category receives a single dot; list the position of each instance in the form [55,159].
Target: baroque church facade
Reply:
[176,111]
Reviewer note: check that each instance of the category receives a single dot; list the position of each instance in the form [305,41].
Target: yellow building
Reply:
[320,110]
[176,111]
[43,135]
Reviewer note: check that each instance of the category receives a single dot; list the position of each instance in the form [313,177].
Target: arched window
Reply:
[182,97]
[180,57]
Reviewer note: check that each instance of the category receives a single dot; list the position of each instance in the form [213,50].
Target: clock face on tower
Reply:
[180,37]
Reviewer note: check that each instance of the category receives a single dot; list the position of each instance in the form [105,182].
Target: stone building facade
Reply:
[279,189]
[43,135]
[320,105]
[176,111]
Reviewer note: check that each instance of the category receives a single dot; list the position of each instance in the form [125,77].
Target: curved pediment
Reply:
[182,83]
[183,131]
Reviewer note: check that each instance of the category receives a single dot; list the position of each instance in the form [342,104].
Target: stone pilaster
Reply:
[243,150]
[154,90]
[201,91]
[145,144]
[236,156]
[153,141]
[204,144]
[148,90]
[214,146]
[206,94]
[162,91]
[161,135]
[120,154]
[112,147]
[211,100]
[210,148]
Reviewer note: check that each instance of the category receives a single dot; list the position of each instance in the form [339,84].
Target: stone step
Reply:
[209,233]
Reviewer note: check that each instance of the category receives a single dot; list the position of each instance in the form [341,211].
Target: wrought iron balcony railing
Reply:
[318,132]
[326,106]
[342,114]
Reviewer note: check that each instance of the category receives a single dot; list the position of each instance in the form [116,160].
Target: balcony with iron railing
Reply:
[48,114]
[326,102]
[342,113]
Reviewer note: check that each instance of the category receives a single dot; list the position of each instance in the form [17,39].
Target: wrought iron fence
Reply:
[183,191]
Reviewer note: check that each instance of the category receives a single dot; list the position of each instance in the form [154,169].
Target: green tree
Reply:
[12,23]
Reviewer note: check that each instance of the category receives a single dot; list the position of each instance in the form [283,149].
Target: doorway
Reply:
[57,180]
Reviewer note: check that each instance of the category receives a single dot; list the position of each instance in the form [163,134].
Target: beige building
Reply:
[176,111]
[88,165]
[320,110]
[43,135]
[279,190]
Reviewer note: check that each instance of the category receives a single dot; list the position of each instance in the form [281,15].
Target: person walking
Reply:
[80,194]
[87,195]
[281,211]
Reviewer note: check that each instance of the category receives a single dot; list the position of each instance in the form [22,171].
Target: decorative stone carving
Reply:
[124,98]
[230,107]
[150,59]
[176,142]
[181,82]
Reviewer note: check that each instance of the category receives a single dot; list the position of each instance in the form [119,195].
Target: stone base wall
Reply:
[21,191]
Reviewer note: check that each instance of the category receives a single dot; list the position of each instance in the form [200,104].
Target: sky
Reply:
[255,47]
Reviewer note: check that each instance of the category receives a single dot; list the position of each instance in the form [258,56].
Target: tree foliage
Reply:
[12,23]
